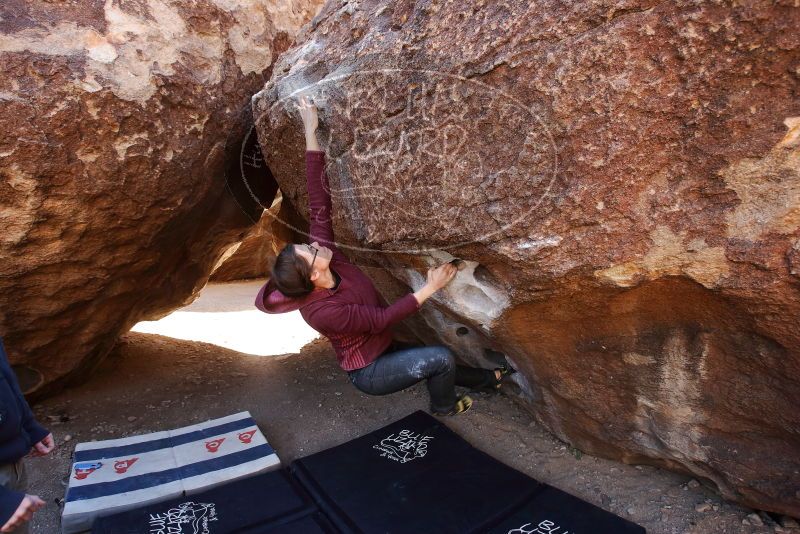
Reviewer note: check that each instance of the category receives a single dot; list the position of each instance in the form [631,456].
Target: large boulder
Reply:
[115,126]
[623,181]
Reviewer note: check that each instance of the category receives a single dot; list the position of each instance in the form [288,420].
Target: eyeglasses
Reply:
[315,254]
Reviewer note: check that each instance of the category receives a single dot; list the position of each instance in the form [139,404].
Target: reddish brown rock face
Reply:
[622,179]
[113,129]
[253,256]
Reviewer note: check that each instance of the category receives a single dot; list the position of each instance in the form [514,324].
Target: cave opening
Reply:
[224,313]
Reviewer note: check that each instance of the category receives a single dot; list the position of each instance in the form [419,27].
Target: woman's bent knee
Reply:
[443,359]
[431,361]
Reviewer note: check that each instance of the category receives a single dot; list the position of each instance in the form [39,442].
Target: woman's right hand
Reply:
[308,112]
[441,276]
[437,278]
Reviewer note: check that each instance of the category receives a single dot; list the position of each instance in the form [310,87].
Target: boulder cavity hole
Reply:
[248,178]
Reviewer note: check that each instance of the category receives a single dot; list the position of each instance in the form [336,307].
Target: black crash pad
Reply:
[417,476]
[268,503]
[412,476]
[552,511]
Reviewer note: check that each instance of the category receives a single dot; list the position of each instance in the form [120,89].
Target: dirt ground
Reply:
[304,403]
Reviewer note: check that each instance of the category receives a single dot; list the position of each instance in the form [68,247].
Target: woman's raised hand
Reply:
[308,112]
[440,276]
[437,278]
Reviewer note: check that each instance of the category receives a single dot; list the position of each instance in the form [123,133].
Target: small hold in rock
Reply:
[460,264]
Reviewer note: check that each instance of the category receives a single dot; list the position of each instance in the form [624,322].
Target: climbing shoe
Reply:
[493,383]
[462,405]
[505,370]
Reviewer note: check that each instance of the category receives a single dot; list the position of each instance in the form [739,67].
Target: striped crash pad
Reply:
[121,474]
[270,503]
[416,475]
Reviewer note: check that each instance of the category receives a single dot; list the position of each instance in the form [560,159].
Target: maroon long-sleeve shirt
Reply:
[353,315]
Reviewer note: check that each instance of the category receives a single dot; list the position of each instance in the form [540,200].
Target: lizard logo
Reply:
[404,447]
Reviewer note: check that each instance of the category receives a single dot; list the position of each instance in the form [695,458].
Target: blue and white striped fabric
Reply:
[120,474]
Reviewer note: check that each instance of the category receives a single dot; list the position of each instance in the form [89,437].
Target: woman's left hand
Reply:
[308,112]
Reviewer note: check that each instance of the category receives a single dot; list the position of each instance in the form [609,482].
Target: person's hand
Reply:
[45,446]
[25,510]
[440,276]
[308,112]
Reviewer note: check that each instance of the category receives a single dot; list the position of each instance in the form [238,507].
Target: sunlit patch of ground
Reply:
[225,315]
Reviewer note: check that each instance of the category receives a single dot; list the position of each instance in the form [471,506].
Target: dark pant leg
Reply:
[467,377]
[395,371]
[473,377]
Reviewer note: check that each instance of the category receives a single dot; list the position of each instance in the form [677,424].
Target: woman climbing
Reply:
[340,302]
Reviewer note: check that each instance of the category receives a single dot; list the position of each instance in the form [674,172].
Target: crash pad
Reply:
[265,503]
[121,474]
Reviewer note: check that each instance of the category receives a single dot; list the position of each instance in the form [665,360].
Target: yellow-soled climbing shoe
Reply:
[462,405]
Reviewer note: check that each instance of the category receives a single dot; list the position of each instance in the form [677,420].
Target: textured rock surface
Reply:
[622,177]
[252,257]
[113,128]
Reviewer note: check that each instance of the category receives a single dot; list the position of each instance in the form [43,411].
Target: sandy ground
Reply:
[304,403]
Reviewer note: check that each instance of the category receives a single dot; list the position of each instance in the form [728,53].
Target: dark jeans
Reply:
[402,366]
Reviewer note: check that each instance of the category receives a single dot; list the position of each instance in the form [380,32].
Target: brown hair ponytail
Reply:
[291,273]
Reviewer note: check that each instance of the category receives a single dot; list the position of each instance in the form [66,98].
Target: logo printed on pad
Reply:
[120,466]
[544,527]
[403,447]
[247,437]
[186,518]
[213,446]
[84,469]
